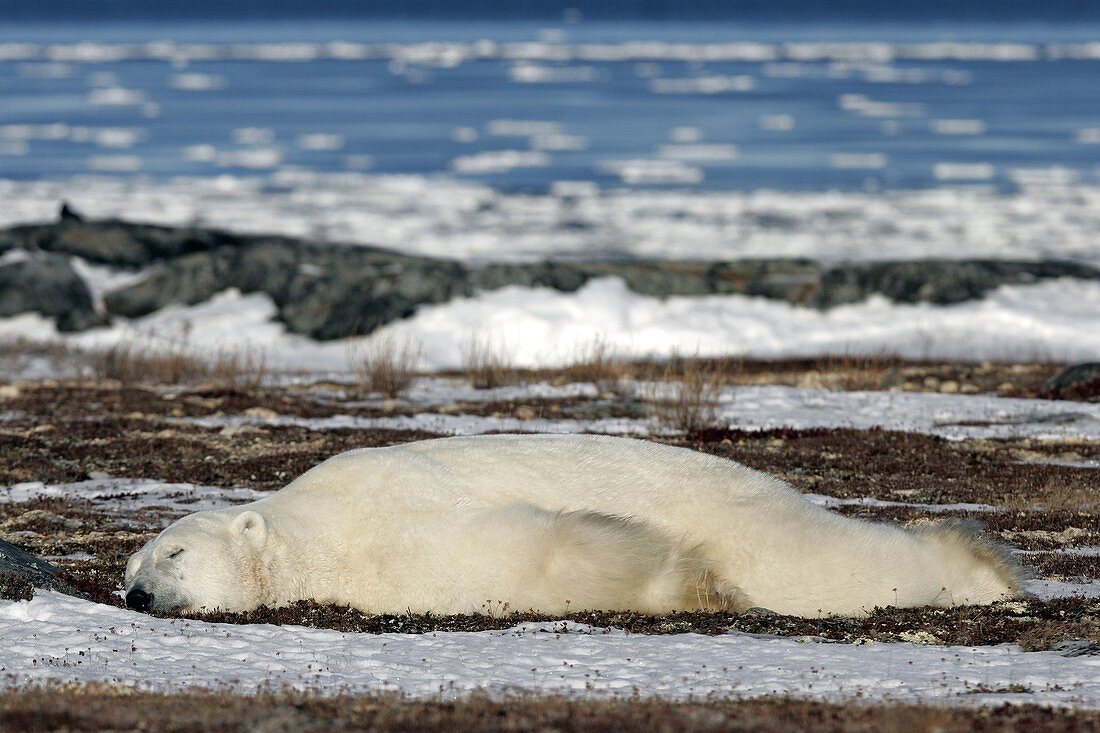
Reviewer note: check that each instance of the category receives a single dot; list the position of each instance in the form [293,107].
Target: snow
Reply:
[1045,588]
[101,279]
[434,422]
[539,326]
[535,327]
[465,220]
[61,639]
[126,495]
[833,501]
[946,415]
[750,408]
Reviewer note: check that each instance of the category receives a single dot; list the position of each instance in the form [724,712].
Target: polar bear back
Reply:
[665,485]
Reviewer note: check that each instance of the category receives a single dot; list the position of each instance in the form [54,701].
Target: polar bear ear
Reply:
[251,526]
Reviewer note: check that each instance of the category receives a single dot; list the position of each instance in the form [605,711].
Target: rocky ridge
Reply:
[329,291]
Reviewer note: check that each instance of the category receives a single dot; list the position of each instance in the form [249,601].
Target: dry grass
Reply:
[242,369]
[487,364]
[849,371]
[683,394]
[1054,495]
[131,363]
[20,348]
[597,362]
[385,365]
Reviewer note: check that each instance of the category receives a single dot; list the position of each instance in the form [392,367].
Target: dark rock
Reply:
[187,280]
[566,277]
[115,243]
[47,284]
[323,292]
[68,213]
[329,292]
[1080,382]
[935,281]
[785,279]
[19,568]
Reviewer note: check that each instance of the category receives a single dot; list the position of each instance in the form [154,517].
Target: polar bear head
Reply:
[205,561]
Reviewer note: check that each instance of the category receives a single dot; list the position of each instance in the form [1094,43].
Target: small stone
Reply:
[9,391]
[949,387]
[230,431]
[262,413]
[931,383]
[969,389]
[1078,382]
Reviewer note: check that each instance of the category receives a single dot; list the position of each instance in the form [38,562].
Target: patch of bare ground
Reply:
[1033,624]
[909,466]
[257,457]
[88,708]
[78,400]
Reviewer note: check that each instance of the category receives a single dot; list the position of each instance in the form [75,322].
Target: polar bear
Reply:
[553,523]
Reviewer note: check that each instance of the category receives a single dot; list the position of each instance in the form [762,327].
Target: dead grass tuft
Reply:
[487,364]
[850,371]
[243,370]
[597,362]
[19,347]
[385,365]
[683,394]
[130,363]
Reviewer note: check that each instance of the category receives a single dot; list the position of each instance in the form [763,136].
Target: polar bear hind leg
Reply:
[588,560]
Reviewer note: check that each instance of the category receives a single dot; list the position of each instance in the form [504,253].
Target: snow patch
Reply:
[56,638]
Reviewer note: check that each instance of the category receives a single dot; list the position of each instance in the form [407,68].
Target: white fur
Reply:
[555,523]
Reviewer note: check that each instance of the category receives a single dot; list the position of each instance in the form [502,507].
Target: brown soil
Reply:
[104,708]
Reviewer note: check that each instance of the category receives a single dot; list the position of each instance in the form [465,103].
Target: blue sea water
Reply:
[800,106]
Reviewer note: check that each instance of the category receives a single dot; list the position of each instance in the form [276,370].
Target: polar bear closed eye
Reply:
[553,523]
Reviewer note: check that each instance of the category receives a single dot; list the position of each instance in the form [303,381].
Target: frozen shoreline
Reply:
[444,217]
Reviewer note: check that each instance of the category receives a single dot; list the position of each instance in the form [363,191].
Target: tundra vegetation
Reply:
[132,414]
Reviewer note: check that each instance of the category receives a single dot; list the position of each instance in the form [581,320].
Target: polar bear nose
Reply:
[139,599]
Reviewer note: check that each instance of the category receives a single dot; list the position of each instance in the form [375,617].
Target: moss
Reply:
[15,587]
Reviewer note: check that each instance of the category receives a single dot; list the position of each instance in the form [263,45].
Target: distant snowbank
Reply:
[461,220]
[530,327]
[54,638]
[535,327]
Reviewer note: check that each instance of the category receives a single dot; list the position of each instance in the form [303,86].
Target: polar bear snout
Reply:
[139,600]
